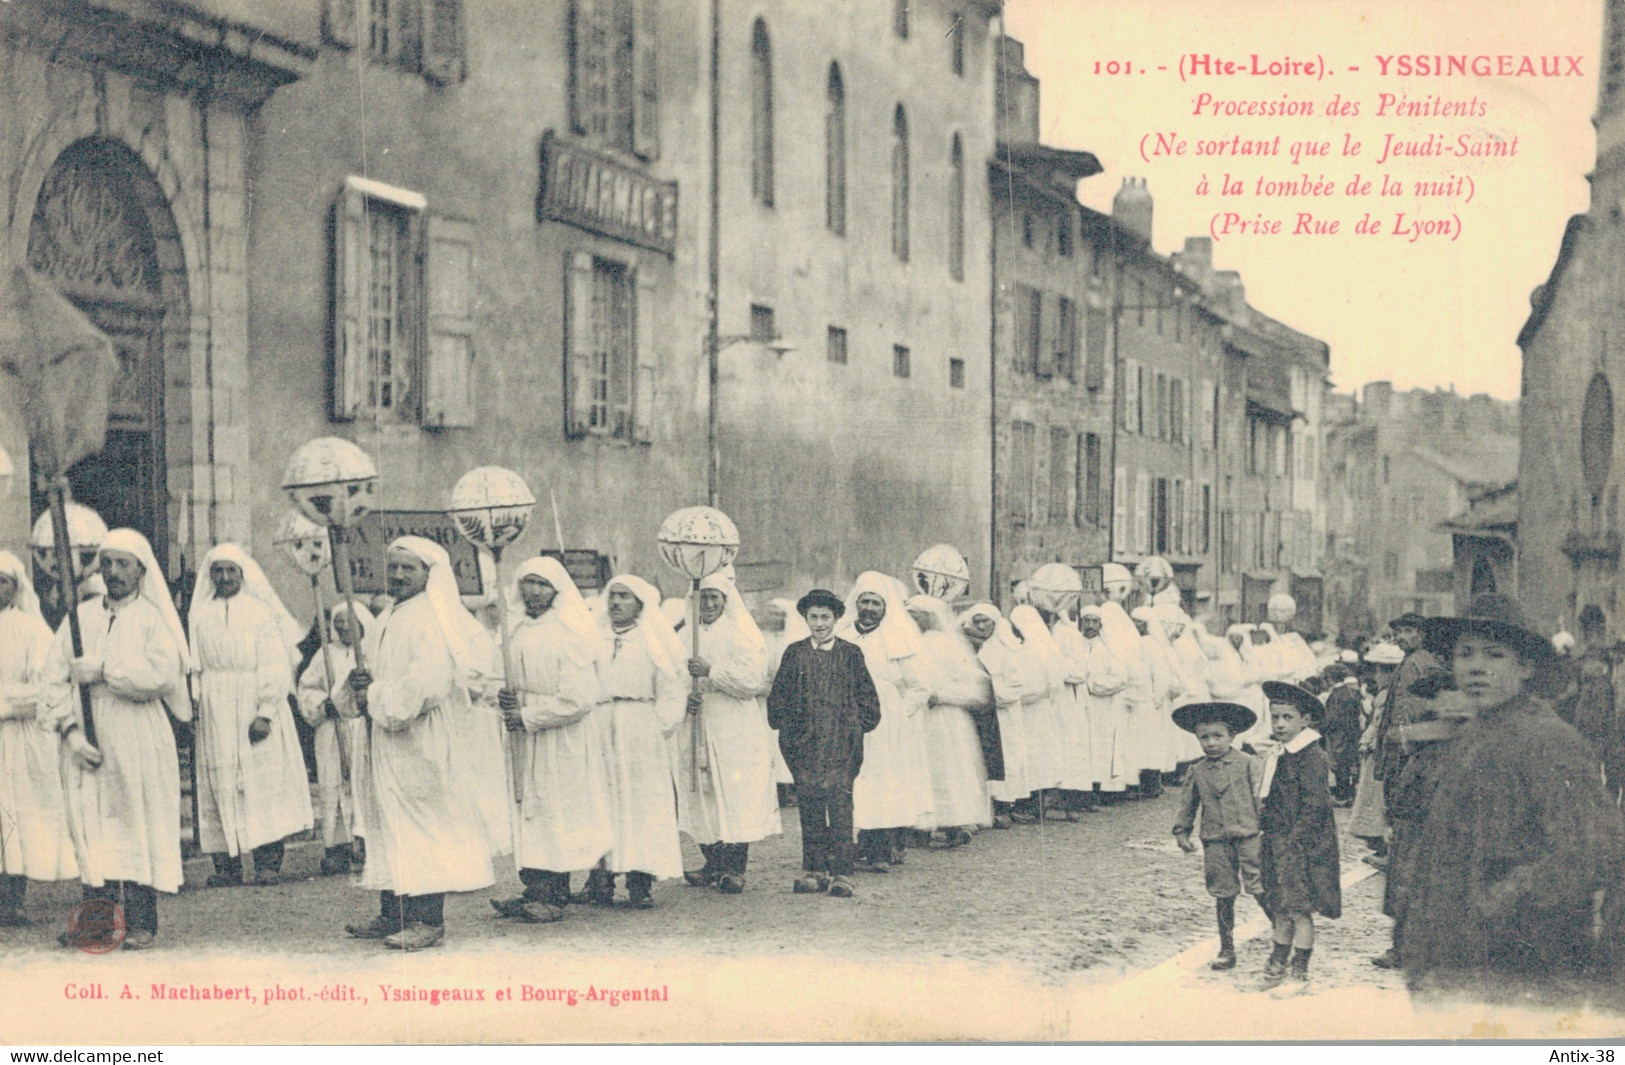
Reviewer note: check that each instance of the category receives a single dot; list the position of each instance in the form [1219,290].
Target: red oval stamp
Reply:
[96,926]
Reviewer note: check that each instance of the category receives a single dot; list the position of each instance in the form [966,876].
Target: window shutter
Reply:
[338,22]
[646,80]
[578,342]
[349,355]
[1142,512]
[1131,396]
[448,399]
[1094,375]
[1120,508]
[1206,427]
[643,381]
[443,41]
[582,59]
[1044,365]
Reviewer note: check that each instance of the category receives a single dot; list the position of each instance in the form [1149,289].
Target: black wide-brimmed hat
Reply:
[820,597]
[1501,618]
[1409,620]
[1292,695]
[1233,715]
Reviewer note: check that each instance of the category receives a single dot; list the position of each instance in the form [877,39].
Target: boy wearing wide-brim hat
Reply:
[1224,786]
[1520,833]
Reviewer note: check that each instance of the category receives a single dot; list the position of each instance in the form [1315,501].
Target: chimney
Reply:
[1131,207]
[1016,114]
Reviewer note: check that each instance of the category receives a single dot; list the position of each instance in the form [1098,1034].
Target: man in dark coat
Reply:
[822,702]
[1520,833]
[1341,728]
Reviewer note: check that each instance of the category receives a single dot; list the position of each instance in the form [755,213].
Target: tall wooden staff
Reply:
[491,506]
[333,483]
[62,370]
[697,542]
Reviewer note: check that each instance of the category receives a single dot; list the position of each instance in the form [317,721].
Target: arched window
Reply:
[899,185]
[956,209]
[761,116]
[835,154]
[1597,435]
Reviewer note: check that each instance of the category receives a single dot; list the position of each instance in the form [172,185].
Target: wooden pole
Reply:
[697,728]
[341,560]
[516,740]
[69,587]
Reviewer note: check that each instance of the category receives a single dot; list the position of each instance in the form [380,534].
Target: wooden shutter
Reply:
[448,398]
[443,61]
[646,80]
[1142,512]
[1120,509]
[1044,318]
[585,58]
[349,351]
[338,22]
[1131,396]
[643,378]
[1094,373]
[578,342]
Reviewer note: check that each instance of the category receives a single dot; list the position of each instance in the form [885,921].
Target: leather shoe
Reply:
[540,913]
[1389,959]
[840,888]
[811,884]
[1225,960]
[731,884]
[224,880]
[416,936]
[140,939]
[514,907]
[379,927]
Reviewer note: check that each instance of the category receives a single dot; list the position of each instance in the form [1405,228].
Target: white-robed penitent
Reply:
[644,704]
[1077,730]
[1044,691]
[1104,692]
[243,650]
[34,842]
[425,832]
[564,822]
[1167,689]
[125,815]
[957,681]
[793,631]
[1185,653]
[893,788]
[1256,667]
[1136,745]
[340,743]
[998,655]
[733,799]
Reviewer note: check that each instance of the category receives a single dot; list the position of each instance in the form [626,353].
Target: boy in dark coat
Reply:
[822,702]
[1520,833]
[1224,786]
[1300,862]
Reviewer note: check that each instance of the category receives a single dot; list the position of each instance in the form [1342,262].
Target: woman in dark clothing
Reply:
[1299,861]
[1520,834]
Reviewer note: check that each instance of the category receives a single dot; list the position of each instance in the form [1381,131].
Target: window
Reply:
[761,115]
[762,329]
[1023,437]
[1139,302]
[1176,410]
[1596,436]
[423,36]
[1060,476]
[1028,229]
[614,69]
[1094,350]
[604,361]
[1390,565]
[837,344]
[956,45]
[835,154]
[1066,340]
[1087,511]
[899,18]
[1280,450]
[1063,237]
[1176,519]
[1255,446]
[1159,516]
[956,209]
[390,31]
[899,185]
[956,373]
[899,361]
[1029,324]
[1205,532]
[1160,412]
[391,354]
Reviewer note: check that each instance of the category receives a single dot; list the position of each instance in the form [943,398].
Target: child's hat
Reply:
[1233,715]
[1292,695]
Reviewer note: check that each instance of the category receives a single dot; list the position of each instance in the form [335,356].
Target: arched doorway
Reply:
[104,235]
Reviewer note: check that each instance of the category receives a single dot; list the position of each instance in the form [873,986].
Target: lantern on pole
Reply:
[697,542]
[942,572]
[309,548]
[333,483]
[491,506]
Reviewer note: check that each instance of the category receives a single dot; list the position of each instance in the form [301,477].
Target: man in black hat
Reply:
[1520,834]
[1412,741]
[822,703]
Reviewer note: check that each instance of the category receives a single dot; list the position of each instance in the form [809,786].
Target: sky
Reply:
[1441,310]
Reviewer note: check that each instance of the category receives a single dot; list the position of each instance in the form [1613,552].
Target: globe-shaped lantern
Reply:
[1155,571]
[86,531]
[491,506]
[7,472]
[331,481]
[698,541]
[1055,587]
[941,571]
[305,543]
